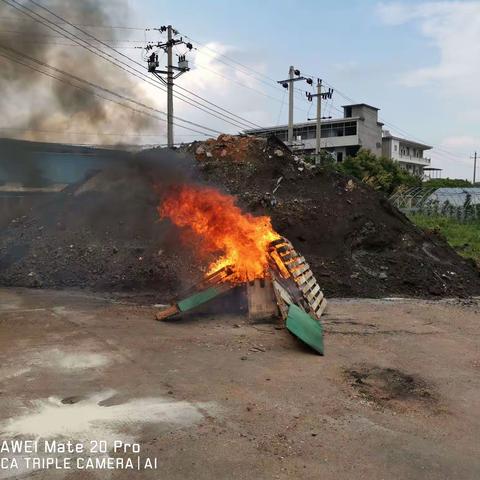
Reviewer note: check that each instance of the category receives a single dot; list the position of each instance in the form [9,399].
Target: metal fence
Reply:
[463,204]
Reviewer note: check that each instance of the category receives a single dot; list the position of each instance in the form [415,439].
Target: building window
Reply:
[339,129]
[339,156]
[351,128]
[395,147]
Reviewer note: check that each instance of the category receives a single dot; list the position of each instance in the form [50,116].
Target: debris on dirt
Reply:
[353,239]
[257,348]
[236,149]
[390,387]
[349,186]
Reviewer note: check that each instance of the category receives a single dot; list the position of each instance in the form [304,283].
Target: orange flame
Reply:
[220,226]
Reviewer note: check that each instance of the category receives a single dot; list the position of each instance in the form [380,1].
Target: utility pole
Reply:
[182,67]
[320,95]
[291,91]
[319,118]
[293,76]
[169,88]
[474,168]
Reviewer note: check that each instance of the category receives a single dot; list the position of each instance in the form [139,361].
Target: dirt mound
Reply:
[105,233]
[355,241]
[102,234]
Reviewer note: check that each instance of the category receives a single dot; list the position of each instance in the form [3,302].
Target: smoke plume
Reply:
[48,108]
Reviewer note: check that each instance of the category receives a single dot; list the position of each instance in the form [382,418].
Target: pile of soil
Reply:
[356,242]
[102,234]
[105,233]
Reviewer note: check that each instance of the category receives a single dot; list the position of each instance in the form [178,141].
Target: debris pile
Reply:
[106,233]
[237,149]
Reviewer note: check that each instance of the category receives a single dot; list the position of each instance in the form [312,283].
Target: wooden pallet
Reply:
[302,276]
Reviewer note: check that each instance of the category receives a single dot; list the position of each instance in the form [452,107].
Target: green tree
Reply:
[380,173]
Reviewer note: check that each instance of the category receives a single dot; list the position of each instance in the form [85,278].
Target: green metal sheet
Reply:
[305,328]
[198,298]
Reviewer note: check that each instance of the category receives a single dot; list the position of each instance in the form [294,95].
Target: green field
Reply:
[463,237]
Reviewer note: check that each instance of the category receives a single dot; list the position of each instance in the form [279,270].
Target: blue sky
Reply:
[398,56]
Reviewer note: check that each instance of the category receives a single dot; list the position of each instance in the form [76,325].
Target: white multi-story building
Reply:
[407,153]
[342,137]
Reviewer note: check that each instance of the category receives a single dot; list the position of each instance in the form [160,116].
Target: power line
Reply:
[105,56]
[244,122]
[90,134]
[32,42]
[96,94]
[134,61]
[246,68]
[46,35]
[16,60]
[204,67]
[398,129]
[93,26]
[339,92]
[123,97]
[271,82]
[215,55]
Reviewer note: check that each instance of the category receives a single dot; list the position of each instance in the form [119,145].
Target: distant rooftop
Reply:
[387,134]
[360,105]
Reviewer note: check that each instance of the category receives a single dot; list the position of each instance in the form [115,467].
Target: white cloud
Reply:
[451,27]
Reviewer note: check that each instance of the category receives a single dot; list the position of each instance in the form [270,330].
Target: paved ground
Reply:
[396,395]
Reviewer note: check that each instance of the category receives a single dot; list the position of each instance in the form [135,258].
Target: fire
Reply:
[219,226]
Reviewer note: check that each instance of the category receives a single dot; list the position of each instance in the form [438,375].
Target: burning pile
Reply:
[251,253]
[212,223]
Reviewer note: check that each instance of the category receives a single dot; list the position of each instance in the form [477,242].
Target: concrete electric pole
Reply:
[293,76]
[182,67]
[320,95]
[474,168]
[291,91]
[318,132]
[169,88]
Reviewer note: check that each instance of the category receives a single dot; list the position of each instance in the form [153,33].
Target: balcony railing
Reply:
[411,159]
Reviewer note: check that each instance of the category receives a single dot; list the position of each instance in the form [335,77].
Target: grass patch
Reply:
[463,237]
